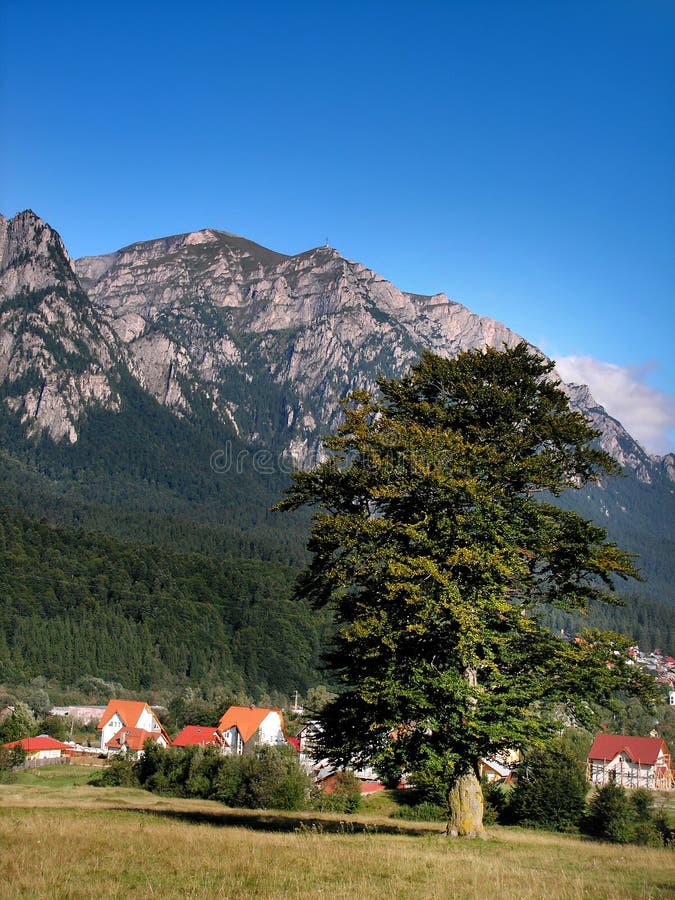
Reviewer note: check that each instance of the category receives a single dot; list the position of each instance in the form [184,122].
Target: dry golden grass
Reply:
[77,842]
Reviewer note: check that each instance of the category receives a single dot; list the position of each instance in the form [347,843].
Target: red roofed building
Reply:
[245,727]
[41,747]
[134,717]
[635,762]
[200,736]
[131,740]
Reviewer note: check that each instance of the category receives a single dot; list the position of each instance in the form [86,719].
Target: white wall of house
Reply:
[271,731]
[43,754]
[233,739]
[623,771]
[147,721]
[110,729]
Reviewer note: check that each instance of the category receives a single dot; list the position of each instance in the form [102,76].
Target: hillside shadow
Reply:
[261,821]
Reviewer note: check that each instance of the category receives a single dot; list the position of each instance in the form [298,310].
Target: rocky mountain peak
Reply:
[32,255]
[56,357]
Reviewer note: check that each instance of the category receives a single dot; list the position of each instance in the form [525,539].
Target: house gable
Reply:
[244,725]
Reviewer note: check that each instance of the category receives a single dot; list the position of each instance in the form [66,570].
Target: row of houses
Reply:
[126,725]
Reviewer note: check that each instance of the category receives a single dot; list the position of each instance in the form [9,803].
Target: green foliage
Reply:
[9,758]
[497,799]
[18,724]
[120,773]
[434,547]
[551,789]
[610,815]
[423,812]
[578,742]
[344,797]
[270,778]
[623,817]
[74,602]
[54,726]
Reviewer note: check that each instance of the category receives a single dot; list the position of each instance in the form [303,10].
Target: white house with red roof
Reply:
[128,724]
[200,736]
[629,761]
[244,727]
[41,747]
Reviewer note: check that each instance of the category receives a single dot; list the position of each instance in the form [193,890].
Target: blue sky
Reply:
[519,156]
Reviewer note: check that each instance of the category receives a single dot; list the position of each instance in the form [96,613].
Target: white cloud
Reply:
[646,413]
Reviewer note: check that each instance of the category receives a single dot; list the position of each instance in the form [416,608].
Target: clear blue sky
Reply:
[519,156]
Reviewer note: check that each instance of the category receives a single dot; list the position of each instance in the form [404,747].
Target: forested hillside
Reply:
[77,604]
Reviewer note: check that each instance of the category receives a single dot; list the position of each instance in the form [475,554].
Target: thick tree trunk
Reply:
[465,801]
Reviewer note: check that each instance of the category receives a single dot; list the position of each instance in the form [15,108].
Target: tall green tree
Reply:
[435,542]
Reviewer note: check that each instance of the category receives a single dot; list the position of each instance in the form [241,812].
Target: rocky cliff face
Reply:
[212,312]
[267,342]
[57,356]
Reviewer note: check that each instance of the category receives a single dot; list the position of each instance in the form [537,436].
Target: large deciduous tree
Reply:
[435,542]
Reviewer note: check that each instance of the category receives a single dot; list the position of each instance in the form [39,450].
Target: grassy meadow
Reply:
[61,838]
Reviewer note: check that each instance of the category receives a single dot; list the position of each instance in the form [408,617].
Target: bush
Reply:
[8,759]
[121,772]
[422,812]
[551,790]
[610,816]
[270,778]
[273,779]
[344,798]
[495,803]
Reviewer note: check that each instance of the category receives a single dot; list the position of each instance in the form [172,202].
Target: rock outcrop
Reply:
[57,356]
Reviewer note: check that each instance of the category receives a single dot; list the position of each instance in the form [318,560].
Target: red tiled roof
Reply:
[640,749]
[247,719]
[199,735]
[294,742]
[133,738]
[129,712]
[41,742]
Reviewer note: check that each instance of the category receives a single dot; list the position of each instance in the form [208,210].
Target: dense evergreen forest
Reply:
[77,604]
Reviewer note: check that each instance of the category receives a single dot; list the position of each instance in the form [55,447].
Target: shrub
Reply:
[344,798]
[495,803]
[422,812]
[273,779]
[610,816]
[551,790]
[121,772]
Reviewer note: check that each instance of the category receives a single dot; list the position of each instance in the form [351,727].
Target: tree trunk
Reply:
[466,807]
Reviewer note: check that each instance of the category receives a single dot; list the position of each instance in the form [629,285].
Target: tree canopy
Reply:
[435,541]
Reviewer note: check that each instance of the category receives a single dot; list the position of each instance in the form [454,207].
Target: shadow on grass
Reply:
[261,821]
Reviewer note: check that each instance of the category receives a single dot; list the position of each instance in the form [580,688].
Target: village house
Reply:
[128,724]
[245,727]
[41,747]
[634,762]
[201,736]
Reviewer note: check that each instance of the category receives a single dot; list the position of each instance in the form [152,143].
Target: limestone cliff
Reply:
[57,357]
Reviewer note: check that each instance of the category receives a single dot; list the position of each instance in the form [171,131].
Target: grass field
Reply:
[60,838]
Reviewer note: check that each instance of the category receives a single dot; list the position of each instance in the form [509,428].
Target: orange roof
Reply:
[41,742]
[129,712]
[247,719]
[133,738]
[199,735]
